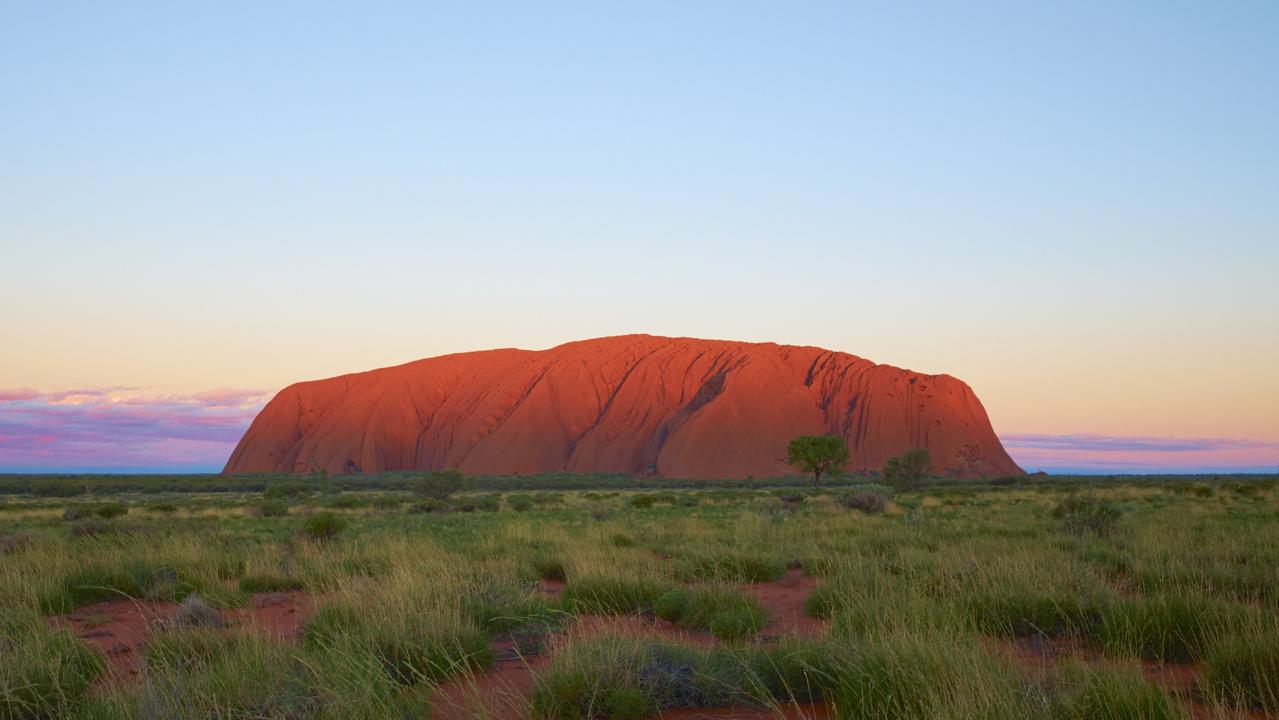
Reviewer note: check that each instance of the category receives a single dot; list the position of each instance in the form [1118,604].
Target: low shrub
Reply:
[164,508]
[520,503]
[286,489]
[600,512]
[387,503]
[440,484]
[790,497]
[272,508]
[111,510]
[106,511]
[482,503]
[343,502]
[1087,515]
[13,542]
[871,503]
[91,527]
[194,612]
[323,526]
[621,540]
[430,505]
[57,487]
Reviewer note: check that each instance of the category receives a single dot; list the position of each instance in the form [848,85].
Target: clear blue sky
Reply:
[1072,206]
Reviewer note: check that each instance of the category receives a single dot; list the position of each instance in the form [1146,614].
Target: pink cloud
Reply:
[14,394]
[120,429]
[1084,452]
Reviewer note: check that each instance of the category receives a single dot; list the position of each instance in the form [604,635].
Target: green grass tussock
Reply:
[44,673]
[722,609]
[612,595]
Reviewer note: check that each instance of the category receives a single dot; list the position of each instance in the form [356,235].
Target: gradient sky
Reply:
[1072,206]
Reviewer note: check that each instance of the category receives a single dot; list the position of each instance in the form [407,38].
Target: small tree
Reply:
[818,454]
[441,484]
[907,469]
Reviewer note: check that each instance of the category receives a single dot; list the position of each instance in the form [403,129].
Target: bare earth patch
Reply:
[120,628]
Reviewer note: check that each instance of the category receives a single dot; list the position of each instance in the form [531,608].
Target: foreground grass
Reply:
[919,600]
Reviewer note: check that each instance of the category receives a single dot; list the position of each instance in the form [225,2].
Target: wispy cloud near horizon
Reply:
[1087,452]
[125,429]
[121,429]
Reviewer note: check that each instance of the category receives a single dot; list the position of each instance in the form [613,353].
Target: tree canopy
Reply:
[907,469]
[818,454]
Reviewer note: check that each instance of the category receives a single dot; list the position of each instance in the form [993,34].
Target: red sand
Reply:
[120,628]
[676,407]
[784,601]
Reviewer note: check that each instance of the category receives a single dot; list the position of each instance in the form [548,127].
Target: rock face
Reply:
[675,407]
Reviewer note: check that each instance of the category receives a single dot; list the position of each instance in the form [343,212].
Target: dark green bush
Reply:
[520,503]
[91,527]
[323,526]
[272,508]
[286,489]
[1087,515]
[440,484]
[343,502]
[111,510]
[482,503]
[908,470]
[430,505]
[57,487]
[871,503]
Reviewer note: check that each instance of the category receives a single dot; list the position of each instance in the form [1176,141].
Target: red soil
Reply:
[676,407]
[784,601]
[120,628]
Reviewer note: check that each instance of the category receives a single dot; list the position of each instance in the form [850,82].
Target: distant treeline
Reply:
[72,485]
